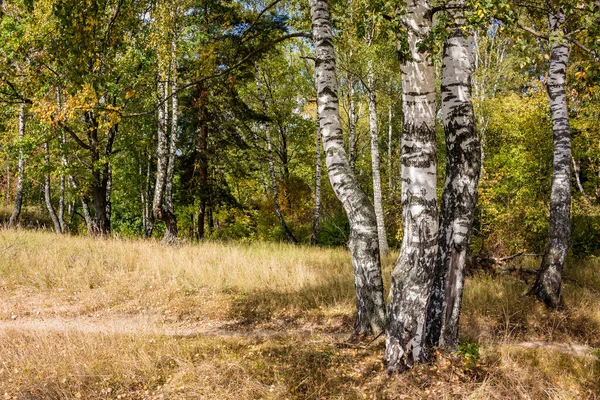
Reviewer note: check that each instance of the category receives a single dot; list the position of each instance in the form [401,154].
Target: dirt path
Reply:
[153,325]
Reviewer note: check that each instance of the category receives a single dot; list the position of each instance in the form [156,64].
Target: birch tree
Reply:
[547,286]
[463,166]
[363,244]
[375,159]
[413,274]
[14,216]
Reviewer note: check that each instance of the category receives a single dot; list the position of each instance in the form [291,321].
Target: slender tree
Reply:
[413,274]
[375,160]
[547,286]
[287,233]
[171,231]
[363,244]
[14,217]
[47,194]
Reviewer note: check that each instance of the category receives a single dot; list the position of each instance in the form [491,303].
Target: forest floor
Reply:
[131,319]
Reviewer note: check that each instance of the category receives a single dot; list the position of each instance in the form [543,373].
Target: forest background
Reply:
[90,79]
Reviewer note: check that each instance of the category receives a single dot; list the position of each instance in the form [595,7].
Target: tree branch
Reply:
[224,71]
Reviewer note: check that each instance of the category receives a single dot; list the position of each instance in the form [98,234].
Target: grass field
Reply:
[108,318]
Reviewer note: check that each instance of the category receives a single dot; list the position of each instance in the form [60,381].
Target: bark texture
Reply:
[547,286]
[159,211]
[463,168]
[317,212]
[389,147]
[352,117]
[413,274]
[171,231]
[14,217]
[363,244]
[375,161]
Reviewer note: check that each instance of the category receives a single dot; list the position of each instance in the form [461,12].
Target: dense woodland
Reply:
[458,132]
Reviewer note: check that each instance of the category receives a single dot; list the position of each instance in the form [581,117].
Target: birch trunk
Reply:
[161,150]
[47,194]
[203,134]
[287,233]
[7,195]
[159,211]
[61,199]
[413,274]
[61,204]
[146,199]
[65,164]
[547,287]
[463,168]
[375,161]
[108,197]
[14,217]
[351,123]
[389,149]
[316,216]
[578,180]
[363,244]
[171,227]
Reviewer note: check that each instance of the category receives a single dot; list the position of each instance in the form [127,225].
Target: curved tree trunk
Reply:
[47,196]
[413,274]
[375,161]
[14,217]
[463,167]
[547,287]
[363,243]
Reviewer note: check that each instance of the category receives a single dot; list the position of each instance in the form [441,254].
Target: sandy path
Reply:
[153,325]
[149,325]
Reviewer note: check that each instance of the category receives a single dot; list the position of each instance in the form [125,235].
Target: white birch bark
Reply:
[363,244]
[351,122]
[317,212]
[547,287]
[389,148]
[463,168]
[7,191]
[578,180]
[375,161]
[161,148]
[47,194]
[159,211]
[14,217]
[171,231]
[413,274]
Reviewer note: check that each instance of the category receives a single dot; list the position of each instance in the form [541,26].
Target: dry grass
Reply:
[263,320]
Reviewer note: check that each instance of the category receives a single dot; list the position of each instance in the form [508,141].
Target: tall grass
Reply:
[290,306]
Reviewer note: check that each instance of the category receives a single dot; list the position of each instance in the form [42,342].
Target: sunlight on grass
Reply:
[288,306]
